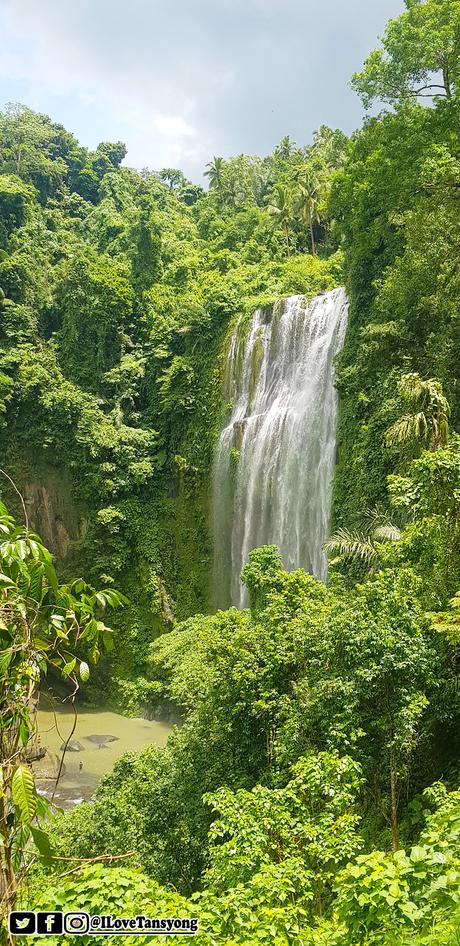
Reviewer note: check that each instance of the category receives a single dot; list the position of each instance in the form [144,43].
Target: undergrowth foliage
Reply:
[44,627]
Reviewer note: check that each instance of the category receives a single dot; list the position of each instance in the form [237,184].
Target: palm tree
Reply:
[363,547]
[427,424]
[285,148]
[260,186]
[307,204]
[173,178]
[215,175]
[280,209]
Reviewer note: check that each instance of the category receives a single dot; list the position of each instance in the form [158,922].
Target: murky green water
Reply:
[84,769]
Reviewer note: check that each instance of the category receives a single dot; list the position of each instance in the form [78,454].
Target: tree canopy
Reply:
[419,56]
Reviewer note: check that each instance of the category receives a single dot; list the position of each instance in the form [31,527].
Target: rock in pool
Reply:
[73,746]
[102,741]
[48,767]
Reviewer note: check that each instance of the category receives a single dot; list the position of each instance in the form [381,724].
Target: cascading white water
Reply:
[275,458]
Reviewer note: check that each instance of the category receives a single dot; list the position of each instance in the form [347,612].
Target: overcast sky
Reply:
[182,80]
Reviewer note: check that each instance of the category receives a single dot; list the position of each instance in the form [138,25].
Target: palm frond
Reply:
[352,546]
[387,532]
[429,422]
[378,524]
[410,427]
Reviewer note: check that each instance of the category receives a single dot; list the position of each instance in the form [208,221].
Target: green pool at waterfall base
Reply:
[78,784]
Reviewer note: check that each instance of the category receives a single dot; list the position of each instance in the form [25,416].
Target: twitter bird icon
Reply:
[22,922]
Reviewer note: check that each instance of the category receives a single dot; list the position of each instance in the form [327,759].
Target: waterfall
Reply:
[275,457]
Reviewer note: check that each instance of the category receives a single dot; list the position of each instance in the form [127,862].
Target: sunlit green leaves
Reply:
[42,842]
[24,793]
[84,671]
[420,55]
[403,892]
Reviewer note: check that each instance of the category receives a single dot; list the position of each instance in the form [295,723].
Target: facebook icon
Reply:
[49,923]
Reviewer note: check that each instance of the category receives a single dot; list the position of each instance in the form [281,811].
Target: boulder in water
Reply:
[34,753]
[102,741]
[73,746]
[48,767]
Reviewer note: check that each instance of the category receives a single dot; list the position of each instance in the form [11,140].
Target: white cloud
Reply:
[173,125]
[183,80]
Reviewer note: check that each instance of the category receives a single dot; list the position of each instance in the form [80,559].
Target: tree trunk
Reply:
[319,897]
[11,754]
[446,80]
[312,238]
[7,873]
[394,802]
[286,237]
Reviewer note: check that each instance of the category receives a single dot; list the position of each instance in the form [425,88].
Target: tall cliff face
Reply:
[53,515]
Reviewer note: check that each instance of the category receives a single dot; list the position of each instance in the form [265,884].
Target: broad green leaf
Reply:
[6,581]
[69,667]
[42,842]
[36,582]
[51,576]
[6,657]
[84,671]
[24,794]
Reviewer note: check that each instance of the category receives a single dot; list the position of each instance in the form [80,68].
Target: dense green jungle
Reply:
[310,793]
